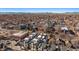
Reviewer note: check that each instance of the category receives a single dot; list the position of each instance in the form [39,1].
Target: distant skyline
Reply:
[39,10]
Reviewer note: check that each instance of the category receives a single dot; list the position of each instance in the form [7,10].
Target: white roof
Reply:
[39,36]
[26,39]
[64,28]
[43,36]
[35,39]
[19,33]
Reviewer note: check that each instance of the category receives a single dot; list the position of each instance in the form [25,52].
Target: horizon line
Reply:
[40,10]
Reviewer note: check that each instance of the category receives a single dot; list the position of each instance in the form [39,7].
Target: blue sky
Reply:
[55,10]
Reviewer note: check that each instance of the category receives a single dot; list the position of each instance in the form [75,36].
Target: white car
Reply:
[26,39]
[39,36]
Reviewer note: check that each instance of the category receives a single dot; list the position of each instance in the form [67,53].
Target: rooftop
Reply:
[21,33]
